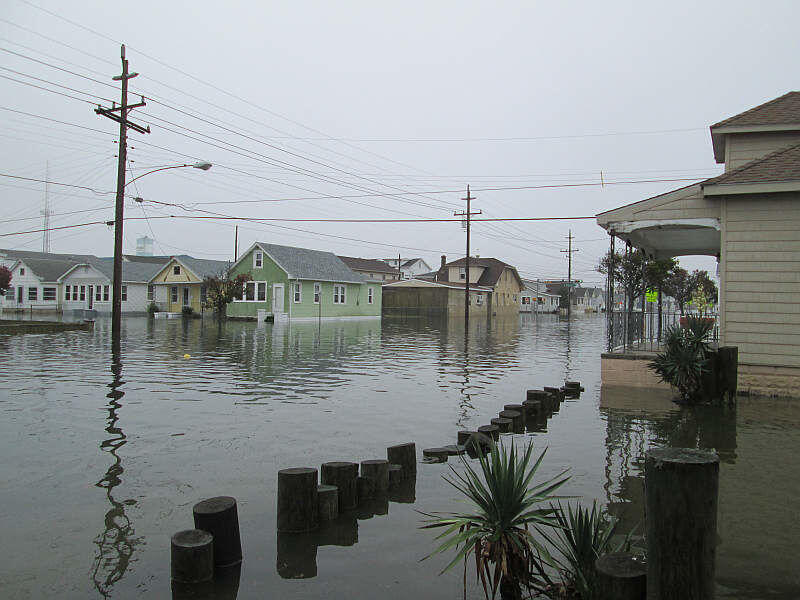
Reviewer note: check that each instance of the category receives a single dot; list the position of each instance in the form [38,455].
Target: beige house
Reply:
[371,268]
[749,218]
[423,297]
[179,283]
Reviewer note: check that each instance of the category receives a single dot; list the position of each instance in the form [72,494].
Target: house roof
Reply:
[780,166]
[203,267]
[30,254]
[135,272]
[493,269]
[48,269]
[302,263]
[367,264]
[778,111]
[418,282]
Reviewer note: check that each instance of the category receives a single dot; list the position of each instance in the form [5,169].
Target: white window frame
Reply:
[173,294]
[124,293]
[67,293]
[297,292]
[105,293]
[462,273]
[258,259]
[261,286]
[339,293]
[33,294]
[176,269]
[255,285]
[98,293]
[370,295]
[22,271]
[44,294]
[151,293]
[317,292]
[478,299]
[83,293]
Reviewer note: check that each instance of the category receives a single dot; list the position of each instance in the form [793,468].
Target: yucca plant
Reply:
[582,536]
[685,358]
[497,532]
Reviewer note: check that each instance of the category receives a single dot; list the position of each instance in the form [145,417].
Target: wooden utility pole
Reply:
[399,271]
[569,252]
[467,215]
[236,244]
[124,124]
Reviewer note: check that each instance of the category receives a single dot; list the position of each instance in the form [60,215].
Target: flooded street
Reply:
[103,460]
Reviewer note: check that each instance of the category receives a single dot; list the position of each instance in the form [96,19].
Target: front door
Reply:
[277,298]
[186,296]
[91,297]
[19,295]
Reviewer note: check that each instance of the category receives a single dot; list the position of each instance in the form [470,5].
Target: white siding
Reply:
[760,279]
[741,148]
[26,282]
[84,275]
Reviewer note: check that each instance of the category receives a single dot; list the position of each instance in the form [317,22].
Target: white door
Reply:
[277,297]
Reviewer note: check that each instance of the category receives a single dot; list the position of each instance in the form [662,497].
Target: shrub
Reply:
[496,532]
[187,311]
[685,358]
[152,308]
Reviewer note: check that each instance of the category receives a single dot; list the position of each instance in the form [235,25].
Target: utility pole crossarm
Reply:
[569,251]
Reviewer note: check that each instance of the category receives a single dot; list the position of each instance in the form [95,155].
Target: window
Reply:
[203,295]
[22,270]
[261,291]
[462,273]
[370,295]
[98,293]
[479,299]
[68,293]
[176,270]
[83,293]
[33,294]
[297,292]
[186,296]
[250,291]
[258,260]
[124,293]
[173,294]
[339,294]
[49,294]
[317,292]
[105,293]
[151,292]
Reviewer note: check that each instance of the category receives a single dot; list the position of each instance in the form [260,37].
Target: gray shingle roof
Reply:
[203,267]
[302,263]
[779,111]
[783,165]
[367,264]
[48,269]
[131,271]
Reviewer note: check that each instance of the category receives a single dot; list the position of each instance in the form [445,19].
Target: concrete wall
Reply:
[434,301]
[743,147]
[629,371]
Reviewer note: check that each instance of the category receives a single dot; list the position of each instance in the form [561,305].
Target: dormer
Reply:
[757,132]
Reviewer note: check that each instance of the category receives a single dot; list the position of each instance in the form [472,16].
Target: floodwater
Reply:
[102,459]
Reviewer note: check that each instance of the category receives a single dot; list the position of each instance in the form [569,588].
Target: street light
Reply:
[116,300]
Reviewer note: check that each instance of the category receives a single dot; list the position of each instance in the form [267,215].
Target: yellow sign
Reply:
[651,296]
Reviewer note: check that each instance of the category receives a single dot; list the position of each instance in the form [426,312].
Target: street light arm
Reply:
[204,166]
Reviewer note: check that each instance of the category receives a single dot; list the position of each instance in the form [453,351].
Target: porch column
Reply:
[610,292]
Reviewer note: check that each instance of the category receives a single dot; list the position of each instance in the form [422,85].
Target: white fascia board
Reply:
[756,128]
[631,226]
[244,255]
[725,189]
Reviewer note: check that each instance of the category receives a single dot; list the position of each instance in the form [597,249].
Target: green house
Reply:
[301,284]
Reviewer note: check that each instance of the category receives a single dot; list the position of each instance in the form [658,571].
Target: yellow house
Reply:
[499,277]
[180,283]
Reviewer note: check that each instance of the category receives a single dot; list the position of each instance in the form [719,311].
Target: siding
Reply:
[744,147]
[760,278]
[685,203]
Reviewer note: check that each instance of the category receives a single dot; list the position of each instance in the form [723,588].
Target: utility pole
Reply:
[467,216]
[399,271]
[46,211]
[569,252]
[124,124]
[236,244]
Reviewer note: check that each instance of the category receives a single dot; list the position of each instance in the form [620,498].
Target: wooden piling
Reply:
[479,444]
[504,425]
[681,488]
[492,431]
[219,517]
[518,408]
[298,508]
[621,576]
[378,471]
[395,475]
[436,454]
[404,455]
[517,424]
[343,475]
[328,497]
[365,488]
[192,556]
[463,435]
[296,555]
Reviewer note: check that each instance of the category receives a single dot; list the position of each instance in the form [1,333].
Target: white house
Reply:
[35,285]
[591,299]
[84,287]
[534,298]
[409,267]
[138,290]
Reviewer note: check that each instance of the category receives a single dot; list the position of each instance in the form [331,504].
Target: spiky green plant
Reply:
[583,536]
[685,357]
[497,532]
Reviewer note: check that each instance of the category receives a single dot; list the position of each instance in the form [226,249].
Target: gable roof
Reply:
[48,269]
[778,111]
[493,269]
[302,263]
[30,254]
[367,264]
[777,167]
[204,267]
[132,272]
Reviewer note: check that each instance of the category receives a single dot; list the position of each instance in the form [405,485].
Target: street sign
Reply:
[651,296]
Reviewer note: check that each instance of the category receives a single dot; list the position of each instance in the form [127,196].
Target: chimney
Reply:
[444,260]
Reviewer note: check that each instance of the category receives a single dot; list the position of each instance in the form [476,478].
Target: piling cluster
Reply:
[214,543]
[531,415]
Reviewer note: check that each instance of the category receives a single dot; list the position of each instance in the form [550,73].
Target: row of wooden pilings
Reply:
[531,415]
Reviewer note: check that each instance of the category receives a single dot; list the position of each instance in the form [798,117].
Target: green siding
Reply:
[356,295]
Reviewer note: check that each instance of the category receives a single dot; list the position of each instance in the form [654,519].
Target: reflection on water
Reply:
[252,399]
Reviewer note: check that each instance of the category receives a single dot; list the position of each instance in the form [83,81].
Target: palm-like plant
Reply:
[685,357]
[582,537]
[497,531]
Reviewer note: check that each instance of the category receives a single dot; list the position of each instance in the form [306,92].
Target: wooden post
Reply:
[220,518]
[504,425]
[463,436]
[328,496]
[621,576]
[492,431]
[436,454]
[404,492]
[517,423]
[298,504]
[343,475]
[681,487]
[479,444]
[192,556]
[378,471]
[365,488]
[395,475]
[296,555]
[404,455]
[519,408]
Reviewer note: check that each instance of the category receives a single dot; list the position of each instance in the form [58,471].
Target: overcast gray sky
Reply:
[375,100]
